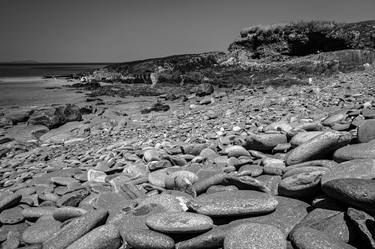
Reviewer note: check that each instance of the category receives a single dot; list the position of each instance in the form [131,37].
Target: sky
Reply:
[125,30]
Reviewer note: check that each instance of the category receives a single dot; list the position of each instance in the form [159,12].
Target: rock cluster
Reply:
[255,167]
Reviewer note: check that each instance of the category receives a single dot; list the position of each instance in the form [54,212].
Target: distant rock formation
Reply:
[304,38]
[300,50]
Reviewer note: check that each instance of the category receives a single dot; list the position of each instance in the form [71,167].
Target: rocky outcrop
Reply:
[304,38]
[291,51]
[55,116]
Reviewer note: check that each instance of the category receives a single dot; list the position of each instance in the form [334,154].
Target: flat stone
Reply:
[358,193]
[366,131]
[175,223]
[11,215]
[73,199]
[194,149]
[301,185]
[368,113]
[147,239]
[271,182]
[250,170]
[16,228]
[220,188]
[171,203]
[65,181]
[264,142]
[151,155]
[318,147]
[303,137]
[309,238]
[329,221]
[236,151]
[334,118]
[355,151]
[44,228]
[255,236]
[103,237]
[7,201]
[76,229]
[66,213]
[37,212]
[358,168]
[131,218]
[288,213]
[12,241]
[241,202]
[212,239]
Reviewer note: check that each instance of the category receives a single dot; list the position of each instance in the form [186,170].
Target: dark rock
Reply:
[176,223]
[366,131]
[157,107]
[11,215]
[7,201]
[309,238]
[203,89]
[355,151]
[241,202]
[76,229]
[44,228]
[53,117]
[358,168]
[103,237]
[364,224]
[146,239]
[355,192]
[253,235]
[318,147]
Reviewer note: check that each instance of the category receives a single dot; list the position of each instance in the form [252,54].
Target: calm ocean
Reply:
[32,70]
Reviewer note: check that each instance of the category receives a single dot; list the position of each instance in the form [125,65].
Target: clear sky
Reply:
[124,30]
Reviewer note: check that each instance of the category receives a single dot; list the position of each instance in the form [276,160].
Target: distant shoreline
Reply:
[56,63]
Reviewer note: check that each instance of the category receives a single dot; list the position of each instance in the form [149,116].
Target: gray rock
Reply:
[10,200]
[355,151]
[255,236]
[147,239]
[241,202]
[203,89]
[66,213]
[329,221]
[55,116]
[355,192]
[318,147]
[309,238]
[303,137]
[76,229]
[264,142]
[366,131]
[25,133]
[44,228]
[11,215]
[358,168]
[181,222]
[288,213]
[301,185]
[103,237]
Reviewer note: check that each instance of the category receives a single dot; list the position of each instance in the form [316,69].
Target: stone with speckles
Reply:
[179,222]
[255,236]
[241,202]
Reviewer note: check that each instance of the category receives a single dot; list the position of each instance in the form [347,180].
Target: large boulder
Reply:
[203,89]
[24,133]
[55,116]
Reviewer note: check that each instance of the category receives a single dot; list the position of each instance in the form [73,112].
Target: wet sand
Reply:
[33,91]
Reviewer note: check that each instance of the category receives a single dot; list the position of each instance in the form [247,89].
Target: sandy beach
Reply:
[35,91]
